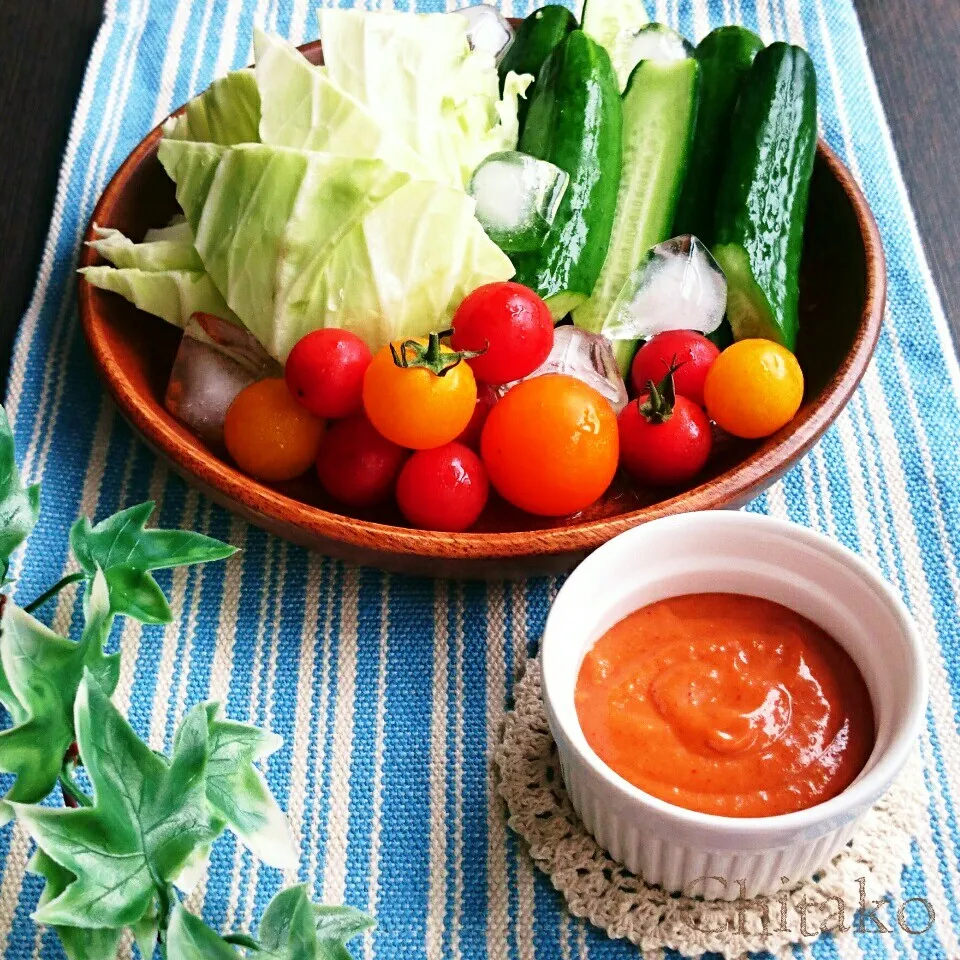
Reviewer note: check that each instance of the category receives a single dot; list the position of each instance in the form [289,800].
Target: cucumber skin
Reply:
[762,204]
[536,38]
[575,122]
[725,56]
[675,85]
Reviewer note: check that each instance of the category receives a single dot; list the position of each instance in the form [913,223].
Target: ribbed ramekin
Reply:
[730,552]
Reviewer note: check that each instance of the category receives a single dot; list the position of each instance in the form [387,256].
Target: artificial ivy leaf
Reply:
[148,817]
[238,792]
[43,672]
[292,928]
[189,938]
[77,944]
[145,932]
[126,553]
[19,505]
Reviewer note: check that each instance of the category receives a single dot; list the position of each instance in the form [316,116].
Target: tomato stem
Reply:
[661,397]
[431,355]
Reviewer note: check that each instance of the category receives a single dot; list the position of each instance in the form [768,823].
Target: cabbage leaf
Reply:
[297,240]
[227,112]
[302,108]
[170,249]
[173,295]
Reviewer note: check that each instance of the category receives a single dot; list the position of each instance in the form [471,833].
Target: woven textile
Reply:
[389,692]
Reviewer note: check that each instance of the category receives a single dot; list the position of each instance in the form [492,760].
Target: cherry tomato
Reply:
[754,388]
[550,445]
[356,464]
[325,372]
[269,435]
[512,327]
[665,440]
[445,488]
[486,398]
[425,400]
[691,352]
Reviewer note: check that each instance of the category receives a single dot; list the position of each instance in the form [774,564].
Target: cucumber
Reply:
[535,39]
[659,114]
[575,122]
[725,56]
[611,23]
[517,199]
[762,202]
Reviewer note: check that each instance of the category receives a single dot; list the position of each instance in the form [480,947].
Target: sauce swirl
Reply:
[726,704]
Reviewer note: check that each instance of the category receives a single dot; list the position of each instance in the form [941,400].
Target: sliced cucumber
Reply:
[623,27]
[659,115]
[517,199]
[762,203]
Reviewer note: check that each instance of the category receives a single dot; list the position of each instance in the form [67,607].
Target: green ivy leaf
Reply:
[19,505]
[238,792]
[43,672]
[189,938]
[77,944]
[293,928]
[148,817]
[126,553]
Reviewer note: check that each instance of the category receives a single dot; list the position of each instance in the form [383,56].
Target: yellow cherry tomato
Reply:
[269,435]
[418,393]
[754,388]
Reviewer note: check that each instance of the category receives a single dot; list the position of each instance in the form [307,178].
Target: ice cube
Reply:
[488,31]
[586,356]
[677,286]
[214,362]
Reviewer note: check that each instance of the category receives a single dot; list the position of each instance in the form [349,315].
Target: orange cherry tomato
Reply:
[269,435]
[754,388]
[424,401]
[551,445]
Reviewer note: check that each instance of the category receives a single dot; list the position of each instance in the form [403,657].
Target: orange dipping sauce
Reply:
[726,704]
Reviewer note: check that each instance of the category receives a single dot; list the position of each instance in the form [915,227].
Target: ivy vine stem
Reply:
[54,590]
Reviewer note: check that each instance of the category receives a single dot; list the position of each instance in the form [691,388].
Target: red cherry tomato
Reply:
[325,372]
[486,398]
[356,465]
[691,352]
[664,440]
[510,324]
[444,488]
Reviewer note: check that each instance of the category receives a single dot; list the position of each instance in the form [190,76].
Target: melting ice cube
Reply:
[586,356]
[677,286]
[488,32]
[214,362]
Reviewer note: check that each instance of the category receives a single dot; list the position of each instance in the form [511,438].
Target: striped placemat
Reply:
[389,692]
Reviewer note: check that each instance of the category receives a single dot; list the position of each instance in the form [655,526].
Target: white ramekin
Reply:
[730,552]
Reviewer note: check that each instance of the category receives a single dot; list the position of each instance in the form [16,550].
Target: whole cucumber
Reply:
[725,57]
[575,122]
[762,203]
[536,38]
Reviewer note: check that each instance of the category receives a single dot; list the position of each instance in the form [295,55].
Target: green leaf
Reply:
[149,815]
[43,672]
[293,928]
[145,932]
[19,505]
[238,792]
[77,944]
[126,552]
[189,938]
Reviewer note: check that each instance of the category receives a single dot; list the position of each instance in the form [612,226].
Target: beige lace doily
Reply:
[602,891]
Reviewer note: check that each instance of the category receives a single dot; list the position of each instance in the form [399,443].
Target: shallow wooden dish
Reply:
[843,290]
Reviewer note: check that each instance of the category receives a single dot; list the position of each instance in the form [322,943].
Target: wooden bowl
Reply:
[843,289]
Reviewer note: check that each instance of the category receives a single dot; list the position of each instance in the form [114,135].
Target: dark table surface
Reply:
[915,47]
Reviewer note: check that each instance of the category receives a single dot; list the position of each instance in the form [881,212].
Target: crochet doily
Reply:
[602,891]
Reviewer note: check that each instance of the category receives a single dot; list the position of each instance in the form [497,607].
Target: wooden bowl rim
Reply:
[736,485]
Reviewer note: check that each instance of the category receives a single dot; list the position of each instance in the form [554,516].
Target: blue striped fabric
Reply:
[389,692]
